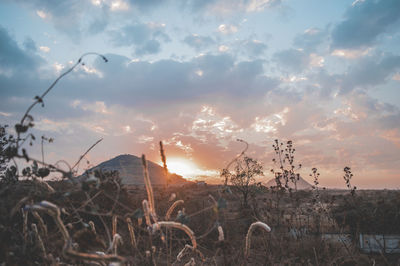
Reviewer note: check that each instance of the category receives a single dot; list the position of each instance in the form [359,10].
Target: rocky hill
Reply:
[131,171]
[301,184]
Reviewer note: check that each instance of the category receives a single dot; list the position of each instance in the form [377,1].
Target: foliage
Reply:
[243,176]
[286,171]
[369,215]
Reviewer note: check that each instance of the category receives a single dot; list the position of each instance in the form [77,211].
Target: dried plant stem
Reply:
[316,257]
[164,161]
[186,248]
[18,206]
[114,225]
[149,188]
[186,229]
[236,158]
[146,210]
[42,225]
[87,151]
[220,233]
[39,240]
[92,227]
[39,99]
[191,262]
[172,208]
[131,232]
[250,232]
[54,211]
[25,225]
[117,241]
[46,185]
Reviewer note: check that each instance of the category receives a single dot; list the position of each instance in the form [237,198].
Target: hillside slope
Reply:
[301,184]
[131,170]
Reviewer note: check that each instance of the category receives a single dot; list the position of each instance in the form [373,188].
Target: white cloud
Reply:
[145,139]
[351,53]
[223,48]
[357,2]
[58,67]
[293,79]
[42,14]
[127,129]
[396,77]
[97,107]
[199,72]
[227,29]
[96,2]
[316,60]
[263,125]
[119,5]
[260,5]
[92,70]
[312,31]
[44,49]
[5,114]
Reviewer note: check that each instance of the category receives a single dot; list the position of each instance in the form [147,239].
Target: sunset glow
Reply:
[187,168]
[198,75]
[182,167]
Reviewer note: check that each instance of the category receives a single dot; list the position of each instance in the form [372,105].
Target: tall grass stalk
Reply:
[156,226]
[250,232]
[68,251]
[149,188]
[131,232]
[39,240]
[172,208]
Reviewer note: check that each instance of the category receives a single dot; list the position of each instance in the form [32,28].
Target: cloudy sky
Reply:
[200,74]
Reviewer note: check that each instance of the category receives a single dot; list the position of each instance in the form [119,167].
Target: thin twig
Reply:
[82,156]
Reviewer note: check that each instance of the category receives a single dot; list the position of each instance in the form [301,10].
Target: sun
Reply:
[183,167]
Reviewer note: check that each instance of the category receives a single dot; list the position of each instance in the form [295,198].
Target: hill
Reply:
[301,184]
[131,171]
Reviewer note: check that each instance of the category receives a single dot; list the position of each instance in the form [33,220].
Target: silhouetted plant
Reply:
[285,161]
[348,175]
[243,176]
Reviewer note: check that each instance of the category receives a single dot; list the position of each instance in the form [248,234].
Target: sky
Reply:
[200,74]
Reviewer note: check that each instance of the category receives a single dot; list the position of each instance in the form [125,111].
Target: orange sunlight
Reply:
[183,167]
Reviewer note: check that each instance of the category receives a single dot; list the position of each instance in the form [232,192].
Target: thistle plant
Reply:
[287,169]
[348,175]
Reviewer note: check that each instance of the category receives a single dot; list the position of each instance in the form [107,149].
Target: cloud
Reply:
[100,22]
[254,48]
[310,39]
[227,7]
[145,38]
[65,16]
[364,22]
[13,58]
[163,87]
[30,45]
[198,42]
[292,60]
[369,72]
[351,53]
[227,29]
[145,5]
[223,48]
[44,49]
